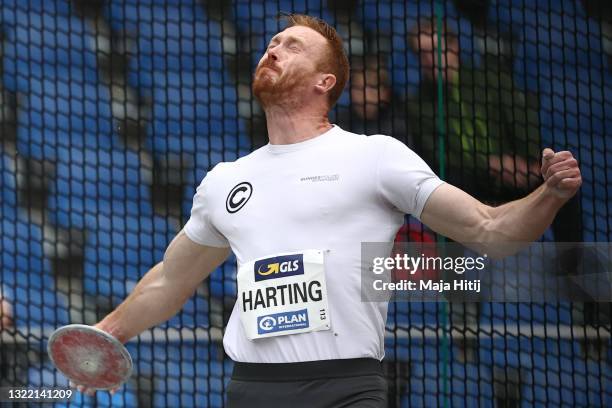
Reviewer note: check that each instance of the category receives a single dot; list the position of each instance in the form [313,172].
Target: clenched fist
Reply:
[561,173]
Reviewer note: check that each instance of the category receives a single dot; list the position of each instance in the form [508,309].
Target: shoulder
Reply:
[363,141]
[345,137]
[373,146]
[384,143]
[217,171]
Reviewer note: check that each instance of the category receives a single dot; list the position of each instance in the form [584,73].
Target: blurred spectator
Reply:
[491,129]
[374,108]
[490,133]
[6,313]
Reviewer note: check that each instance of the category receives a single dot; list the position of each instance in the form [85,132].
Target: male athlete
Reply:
[294,213]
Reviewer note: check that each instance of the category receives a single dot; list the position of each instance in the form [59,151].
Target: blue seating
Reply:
[100,178]
[257,20]
[196,120]
[195,313]
[194,114]
[8,187]
[99,189]
[42,376]
[26,276]
[60,113]
[260,17]
[172,36]
[572,109]
[44,38]
[392,17]
[223,280]
[405,314]
[121,249]
[186,375]
[124,398]
[426,375]
[465,383]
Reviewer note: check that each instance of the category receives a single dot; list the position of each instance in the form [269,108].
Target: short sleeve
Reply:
[404,179]
[200,228]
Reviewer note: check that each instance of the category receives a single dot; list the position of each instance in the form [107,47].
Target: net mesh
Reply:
[113,111]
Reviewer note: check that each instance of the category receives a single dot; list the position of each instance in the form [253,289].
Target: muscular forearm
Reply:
[153,301]
[523,220]
[501,231]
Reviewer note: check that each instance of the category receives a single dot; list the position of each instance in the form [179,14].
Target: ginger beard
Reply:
[271,86]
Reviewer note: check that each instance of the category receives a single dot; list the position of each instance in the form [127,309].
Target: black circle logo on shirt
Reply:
[238,197]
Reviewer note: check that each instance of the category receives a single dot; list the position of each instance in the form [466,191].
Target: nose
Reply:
[272,53]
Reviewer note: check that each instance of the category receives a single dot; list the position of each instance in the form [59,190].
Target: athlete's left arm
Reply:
[457,215]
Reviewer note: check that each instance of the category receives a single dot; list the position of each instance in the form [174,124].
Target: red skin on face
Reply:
[287,69]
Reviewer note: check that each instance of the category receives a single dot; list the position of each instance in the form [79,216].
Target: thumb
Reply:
[548,153]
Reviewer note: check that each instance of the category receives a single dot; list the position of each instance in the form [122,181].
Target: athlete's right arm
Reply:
[165,288]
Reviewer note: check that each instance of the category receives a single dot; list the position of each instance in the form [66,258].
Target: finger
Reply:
[570,183]
[559,157]
[563,165]
[554,179]
[570,162]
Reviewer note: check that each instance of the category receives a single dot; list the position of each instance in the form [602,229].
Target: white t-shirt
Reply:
[332,192]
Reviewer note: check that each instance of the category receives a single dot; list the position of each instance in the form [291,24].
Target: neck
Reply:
[288,127]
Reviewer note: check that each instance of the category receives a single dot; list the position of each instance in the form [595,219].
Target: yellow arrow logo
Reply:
[272,268]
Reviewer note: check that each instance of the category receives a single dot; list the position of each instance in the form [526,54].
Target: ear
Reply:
[325,83]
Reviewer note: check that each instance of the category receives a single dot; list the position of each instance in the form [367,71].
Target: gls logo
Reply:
[279,267]
[238,197]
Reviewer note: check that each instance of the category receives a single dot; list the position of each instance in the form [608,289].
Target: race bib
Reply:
[284,294]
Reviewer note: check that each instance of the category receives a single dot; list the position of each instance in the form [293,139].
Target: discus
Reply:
[90,357]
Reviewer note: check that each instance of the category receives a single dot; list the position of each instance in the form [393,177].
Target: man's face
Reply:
[368,93]
[427,44]
[289,67]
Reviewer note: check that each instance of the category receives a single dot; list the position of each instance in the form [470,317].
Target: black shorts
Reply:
[358,383]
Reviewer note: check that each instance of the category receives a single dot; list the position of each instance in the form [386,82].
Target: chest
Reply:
[285,199]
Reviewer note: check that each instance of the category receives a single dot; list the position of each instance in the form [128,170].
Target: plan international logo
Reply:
[283,321]
[279,267]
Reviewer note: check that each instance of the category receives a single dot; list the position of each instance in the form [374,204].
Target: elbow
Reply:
[492,240]
[495,242]
[486,242]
